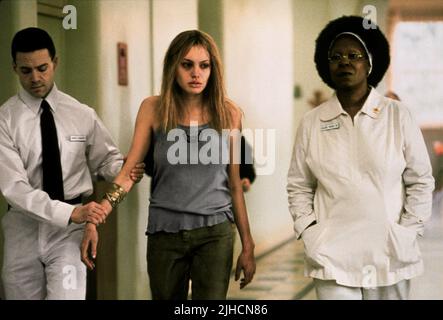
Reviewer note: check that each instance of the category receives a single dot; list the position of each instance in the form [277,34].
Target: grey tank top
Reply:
[190,180]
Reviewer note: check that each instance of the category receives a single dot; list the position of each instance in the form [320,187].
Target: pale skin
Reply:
[192,76]
[36,71]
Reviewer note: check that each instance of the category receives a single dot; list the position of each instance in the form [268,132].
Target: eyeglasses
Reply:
[353,56]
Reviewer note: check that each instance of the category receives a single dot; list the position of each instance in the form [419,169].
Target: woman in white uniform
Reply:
[360,182]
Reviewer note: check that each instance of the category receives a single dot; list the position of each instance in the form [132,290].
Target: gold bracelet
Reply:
[115,195]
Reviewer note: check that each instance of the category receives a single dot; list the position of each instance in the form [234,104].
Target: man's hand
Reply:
[246,184]
[91,212]
[245,262]
[89,245]
[137,172]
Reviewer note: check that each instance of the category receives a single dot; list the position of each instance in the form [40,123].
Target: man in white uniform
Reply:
[51,148]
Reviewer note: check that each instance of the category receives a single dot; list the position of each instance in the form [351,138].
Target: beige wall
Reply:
[169,18]
[14,15]
[258,56]
[210,20]
[309,18]
[82,54]
[118,106]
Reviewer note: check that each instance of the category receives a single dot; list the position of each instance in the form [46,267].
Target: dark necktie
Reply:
[52,168]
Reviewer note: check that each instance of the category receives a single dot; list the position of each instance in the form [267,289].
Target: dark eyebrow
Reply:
[189,60]
[29,68]
[341,52]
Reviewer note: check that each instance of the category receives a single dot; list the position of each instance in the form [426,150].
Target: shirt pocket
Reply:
[74,151]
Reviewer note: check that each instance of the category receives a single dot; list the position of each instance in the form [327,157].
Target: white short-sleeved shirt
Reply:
[368,184]
[86,151]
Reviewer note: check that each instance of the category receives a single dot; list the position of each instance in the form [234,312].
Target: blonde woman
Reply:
[193,201]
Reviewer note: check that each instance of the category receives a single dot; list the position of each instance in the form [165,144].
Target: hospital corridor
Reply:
[111,58]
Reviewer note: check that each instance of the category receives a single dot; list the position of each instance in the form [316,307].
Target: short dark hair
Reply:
[32,39]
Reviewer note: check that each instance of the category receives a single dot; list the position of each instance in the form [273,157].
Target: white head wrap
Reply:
[362,43]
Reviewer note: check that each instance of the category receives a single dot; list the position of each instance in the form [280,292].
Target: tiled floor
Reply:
[429,286]
[279,274]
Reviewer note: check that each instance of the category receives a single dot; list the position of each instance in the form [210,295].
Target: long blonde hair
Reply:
[214,95]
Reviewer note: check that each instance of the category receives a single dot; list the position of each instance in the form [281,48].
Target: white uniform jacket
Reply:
[368,185]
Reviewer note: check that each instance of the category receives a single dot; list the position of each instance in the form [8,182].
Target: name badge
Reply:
[77,138]
[330,126]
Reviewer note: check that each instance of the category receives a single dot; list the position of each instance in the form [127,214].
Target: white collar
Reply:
[34,103]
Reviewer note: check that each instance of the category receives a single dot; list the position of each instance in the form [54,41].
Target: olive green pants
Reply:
[202,255]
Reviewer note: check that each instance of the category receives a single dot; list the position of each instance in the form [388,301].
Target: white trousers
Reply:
[41,261]
[330,290]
